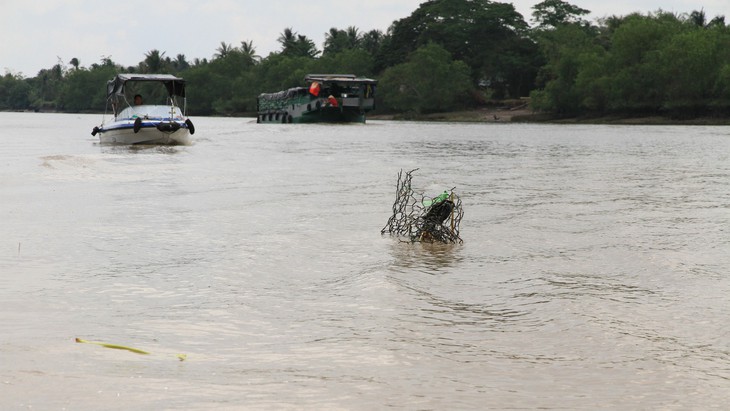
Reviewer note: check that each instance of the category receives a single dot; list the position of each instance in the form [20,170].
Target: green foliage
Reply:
[337,41]
[203,89]
[641,64]
[348,61]
[490,37]
[85,90]
[14,92]
[296,45]
[569,49]
[555,13]
[45,87]
[693,59]
[154,62]
[279,72]
[438,58]
[429,81]
[489,41]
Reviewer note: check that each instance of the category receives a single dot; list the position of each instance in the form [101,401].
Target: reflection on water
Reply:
[428,258]
[593,273]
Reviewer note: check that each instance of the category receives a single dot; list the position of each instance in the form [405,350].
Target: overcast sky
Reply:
[35,34]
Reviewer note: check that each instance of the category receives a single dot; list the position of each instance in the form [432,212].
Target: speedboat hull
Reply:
[148,132]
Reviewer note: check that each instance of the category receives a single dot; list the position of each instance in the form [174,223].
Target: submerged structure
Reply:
[417,218]
[327,98]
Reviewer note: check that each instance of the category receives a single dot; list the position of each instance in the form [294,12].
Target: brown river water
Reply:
[594,274]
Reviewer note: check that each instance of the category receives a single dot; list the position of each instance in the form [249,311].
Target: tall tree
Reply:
[429,81]
[46,87]
[223,50]
[335,41]
[180,63]
[249,51]
[83,89]
[553,13]
[372,41]
[305,47]
[353,37]
[14,92]
[296,45]
[568,49]
[698,18]
[287,39]
[491,37]
[717,21]
[154,61]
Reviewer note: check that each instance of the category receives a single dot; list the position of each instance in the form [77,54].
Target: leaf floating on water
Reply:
[113,346]
[181,357]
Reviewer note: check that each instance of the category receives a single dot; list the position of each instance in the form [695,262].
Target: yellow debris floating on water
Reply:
[113,346]
[181,357]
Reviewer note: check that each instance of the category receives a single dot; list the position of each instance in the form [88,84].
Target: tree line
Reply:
[446,55]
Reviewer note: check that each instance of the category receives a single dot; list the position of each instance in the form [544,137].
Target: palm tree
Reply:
[223,51]
[371,41]
[296,45]
[334,41]
[249,51]
[287,39]
[353,37]
[180,63]
[74,62]
[305,47]
[718,21]
[698,18]
[154,61]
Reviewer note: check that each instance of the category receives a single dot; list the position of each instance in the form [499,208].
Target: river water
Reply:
[594,274]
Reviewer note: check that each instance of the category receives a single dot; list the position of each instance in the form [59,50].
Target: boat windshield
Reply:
[151,112]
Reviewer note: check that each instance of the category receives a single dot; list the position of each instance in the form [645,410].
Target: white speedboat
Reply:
[139,123]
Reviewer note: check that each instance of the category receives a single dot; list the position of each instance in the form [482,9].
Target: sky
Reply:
[37,34]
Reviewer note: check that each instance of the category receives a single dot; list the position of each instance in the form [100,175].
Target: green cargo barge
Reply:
[327,98]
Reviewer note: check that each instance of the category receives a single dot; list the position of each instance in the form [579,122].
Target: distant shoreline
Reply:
[523,115]
[495,115]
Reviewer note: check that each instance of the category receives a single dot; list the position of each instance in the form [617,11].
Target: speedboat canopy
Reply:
[175,85]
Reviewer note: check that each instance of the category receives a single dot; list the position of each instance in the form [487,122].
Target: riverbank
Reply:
[503,115]
[526,115]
